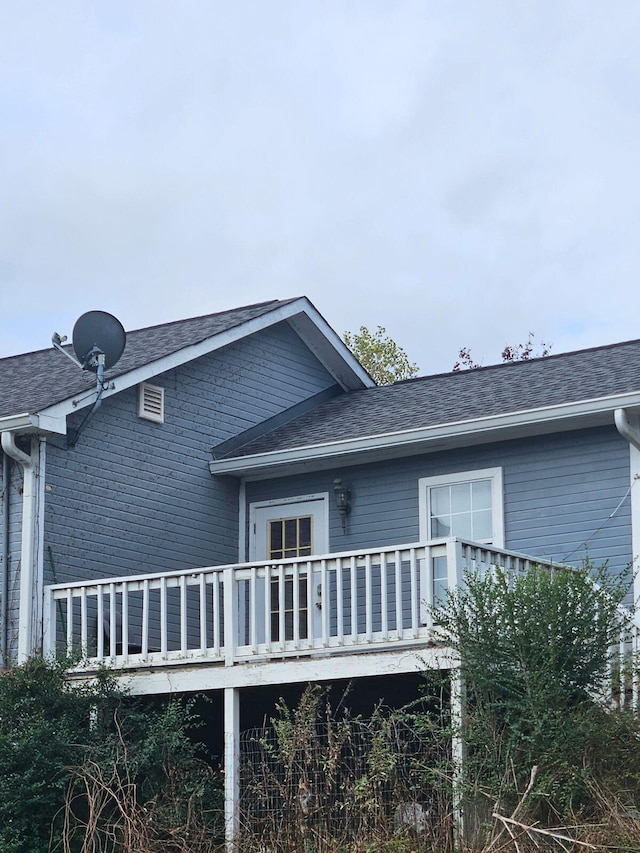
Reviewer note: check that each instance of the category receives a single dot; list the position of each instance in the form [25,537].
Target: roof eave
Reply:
[484,430]
[33,422]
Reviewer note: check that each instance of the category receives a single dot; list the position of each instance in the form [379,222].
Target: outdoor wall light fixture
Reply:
[343,500]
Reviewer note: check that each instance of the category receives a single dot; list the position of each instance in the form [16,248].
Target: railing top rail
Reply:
[332,555]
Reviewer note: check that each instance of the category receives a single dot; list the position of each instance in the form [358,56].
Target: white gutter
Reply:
[29,463]
[598,408]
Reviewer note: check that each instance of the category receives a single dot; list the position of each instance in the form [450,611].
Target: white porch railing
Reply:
[229,615]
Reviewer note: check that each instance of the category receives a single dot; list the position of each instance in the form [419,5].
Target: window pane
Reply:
[461,525]
[481,491]
[461,497]
[440,501]
[482,524]
[440,527]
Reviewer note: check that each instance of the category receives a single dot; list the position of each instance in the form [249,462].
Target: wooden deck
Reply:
[273,622]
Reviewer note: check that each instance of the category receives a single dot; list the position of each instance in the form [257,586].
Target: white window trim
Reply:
[497,499]
[321,497]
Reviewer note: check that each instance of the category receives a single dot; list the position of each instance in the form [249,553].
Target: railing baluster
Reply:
[216,613]
[125,620]
[325,602]
[413,571]
[295,580]
[100,623]
[281,607]
[267,607]
[398,576]
[83,623]
[253,608]
[311,627]
[112,621]
[69,622]
[339,601]
[163,618]
[368,598]
[230,593]
[353,567]
[202,602]
[144,639]
[183,615]
[384,617]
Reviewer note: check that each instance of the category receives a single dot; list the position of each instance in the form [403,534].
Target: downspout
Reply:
[27,551]
[626,430]
[631,433]
[4,568]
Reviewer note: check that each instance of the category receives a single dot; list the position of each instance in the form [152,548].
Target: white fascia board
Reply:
[33,423]
[491,427]
[330,349]
[358,377]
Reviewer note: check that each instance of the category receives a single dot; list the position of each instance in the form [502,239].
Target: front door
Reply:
[283,530]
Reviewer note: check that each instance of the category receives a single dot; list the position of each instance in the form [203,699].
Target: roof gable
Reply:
[46,381]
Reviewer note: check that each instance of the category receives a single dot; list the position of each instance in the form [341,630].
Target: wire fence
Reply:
[345,784]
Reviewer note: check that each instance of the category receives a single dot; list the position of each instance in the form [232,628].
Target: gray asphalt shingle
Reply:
[451,397]
[33,381]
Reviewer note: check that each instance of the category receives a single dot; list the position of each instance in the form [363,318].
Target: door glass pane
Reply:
[304,525]
[274,551]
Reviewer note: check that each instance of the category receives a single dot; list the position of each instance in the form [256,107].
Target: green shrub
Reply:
[89,768]
[535,656]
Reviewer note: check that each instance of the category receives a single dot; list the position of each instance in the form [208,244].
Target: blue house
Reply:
[246,508]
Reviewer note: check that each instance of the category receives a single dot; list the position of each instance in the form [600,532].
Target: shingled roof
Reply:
[449,398]
[36,380]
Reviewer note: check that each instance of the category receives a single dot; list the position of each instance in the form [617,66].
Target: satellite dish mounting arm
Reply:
[57,342]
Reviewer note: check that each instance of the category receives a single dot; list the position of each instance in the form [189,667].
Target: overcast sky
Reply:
[460,172]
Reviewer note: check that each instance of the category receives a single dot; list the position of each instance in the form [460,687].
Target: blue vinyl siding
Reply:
[559,492]
[135,496]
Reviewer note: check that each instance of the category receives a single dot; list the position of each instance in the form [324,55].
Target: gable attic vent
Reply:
[151,402]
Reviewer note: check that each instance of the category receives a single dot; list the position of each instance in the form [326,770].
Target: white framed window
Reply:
[468,505]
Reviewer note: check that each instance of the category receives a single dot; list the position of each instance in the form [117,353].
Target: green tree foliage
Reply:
[535,654]
[380,355]
[90,769]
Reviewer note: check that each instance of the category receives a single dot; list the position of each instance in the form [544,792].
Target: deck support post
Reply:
[231,766]
[457,701]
